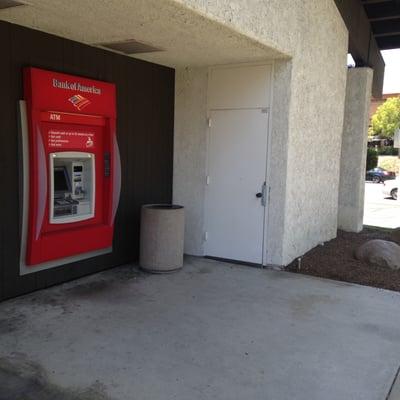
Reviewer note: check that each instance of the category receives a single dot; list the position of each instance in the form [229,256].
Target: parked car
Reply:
[390,188]
[379,174]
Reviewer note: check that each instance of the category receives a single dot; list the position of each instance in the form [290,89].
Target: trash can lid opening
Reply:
[163,206]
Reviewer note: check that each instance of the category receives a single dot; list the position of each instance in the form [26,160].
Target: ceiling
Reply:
[180,36]
[384,16]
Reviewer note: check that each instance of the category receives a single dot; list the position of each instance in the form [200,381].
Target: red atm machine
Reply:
[74,166]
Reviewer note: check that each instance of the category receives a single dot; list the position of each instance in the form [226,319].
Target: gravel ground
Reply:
[335,260]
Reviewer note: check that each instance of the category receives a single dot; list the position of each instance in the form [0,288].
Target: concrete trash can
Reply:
[162,229]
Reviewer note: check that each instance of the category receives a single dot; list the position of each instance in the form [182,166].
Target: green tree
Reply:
[387,118]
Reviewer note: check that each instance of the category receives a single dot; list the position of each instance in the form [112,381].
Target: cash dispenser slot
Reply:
[72,187]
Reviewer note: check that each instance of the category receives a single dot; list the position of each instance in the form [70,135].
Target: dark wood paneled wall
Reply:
[145,101]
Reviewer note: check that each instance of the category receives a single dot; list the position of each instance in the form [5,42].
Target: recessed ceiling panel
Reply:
[130,47]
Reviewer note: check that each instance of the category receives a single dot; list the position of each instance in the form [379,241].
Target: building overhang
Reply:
[373,25]
[172,34]
[384,16]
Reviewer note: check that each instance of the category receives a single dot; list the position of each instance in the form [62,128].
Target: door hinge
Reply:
[207,179]
[205,236]
[209,122]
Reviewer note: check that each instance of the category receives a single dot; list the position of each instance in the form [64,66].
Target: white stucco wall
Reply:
[315,129]
[277,172]
[190,145]
[307,120]
[354,149]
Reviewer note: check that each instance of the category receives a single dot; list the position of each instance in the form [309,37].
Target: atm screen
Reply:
[61,180]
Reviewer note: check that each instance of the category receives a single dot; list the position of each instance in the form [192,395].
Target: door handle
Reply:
[259,195]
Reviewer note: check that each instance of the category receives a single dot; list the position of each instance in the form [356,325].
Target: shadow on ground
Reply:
[25,380]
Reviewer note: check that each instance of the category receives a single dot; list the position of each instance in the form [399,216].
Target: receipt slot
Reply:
[73,166]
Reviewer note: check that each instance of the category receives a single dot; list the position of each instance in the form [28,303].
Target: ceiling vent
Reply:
[130,47]
[9,4]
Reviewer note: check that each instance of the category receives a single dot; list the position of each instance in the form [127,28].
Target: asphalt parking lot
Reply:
[378,210]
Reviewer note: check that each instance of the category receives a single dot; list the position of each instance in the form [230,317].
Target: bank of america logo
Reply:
[79,101]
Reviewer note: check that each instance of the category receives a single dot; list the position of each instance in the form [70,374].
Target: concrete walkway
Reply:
[211,331]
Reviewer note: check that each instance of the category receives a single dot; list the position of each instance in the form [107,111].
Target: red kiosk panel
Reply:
[74,167]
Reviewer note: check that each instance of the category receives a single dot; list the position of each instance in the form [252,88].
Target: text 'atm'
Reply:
[74,166]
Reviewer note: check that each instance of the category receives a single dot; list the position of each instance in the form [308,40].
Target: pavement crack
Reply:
[394,387]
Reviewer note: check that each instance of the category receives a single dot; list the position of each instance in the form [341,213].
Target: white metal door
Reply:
[237,160]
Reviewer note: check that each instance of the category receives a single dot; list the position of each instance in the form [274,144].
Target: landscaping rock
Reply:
[380,252]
